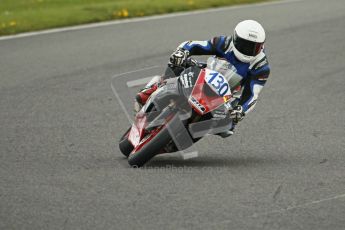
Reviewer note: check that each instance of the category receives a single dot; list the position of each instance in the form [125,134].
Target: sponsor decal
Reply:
[218,114]
[196,104]
[186,80]
[227,98]
[253,36]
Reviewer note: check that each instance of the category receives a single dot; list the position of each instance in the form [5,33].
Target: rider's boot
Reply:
[146,92]
[152,86]
[229,132]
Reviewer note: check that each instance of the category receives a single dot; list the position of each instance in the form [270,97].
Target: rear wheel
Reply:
[125,145]
[150,149]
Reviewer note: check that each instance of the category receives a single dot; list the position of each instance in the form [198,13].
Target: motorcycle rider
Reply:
[244,50]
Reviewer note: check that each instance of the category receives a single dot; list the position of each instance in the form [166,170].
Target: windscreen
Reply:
[226,69]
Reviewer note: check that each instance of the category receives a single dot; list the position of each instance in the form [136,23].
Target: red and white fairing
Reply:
[203,103]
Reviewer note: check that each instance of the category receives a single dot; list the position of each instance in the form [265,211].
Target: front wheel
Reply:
[125,145]
[150,149]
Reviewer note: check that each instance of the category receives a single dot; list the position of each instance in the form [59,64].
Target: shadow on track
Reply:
[212,161]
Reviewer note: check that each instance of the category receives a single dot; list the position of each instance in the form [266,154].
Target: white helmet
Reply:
[249,37]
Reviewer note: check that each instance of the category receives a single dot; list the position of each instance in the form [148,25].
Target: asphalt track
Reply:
[60,167]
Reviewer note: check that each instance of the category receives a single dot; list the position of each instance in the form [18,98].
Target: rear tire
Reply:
[152,148]
[125,145]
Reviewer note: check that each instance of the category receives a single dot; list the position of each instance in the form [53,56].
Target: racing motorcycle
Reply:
[182,110]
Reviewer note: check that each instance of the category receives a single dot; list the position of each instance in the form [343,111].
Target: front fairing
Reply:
[152,109]
[161,97]
[203,98]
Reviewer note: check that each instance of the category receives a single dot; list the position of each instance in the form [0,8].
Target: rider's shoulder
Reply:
[221,42]
[259,62]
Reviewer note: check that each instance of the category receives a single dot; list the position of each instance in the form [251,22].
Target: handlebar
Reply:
[190,62]
[193,62]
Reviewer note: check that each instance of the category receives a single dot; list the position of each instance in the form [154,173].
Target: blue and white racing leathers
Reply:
[253,74]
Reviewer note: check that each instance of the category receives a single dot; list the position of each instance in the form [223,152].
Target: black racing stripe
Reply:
[251,104]
[259,62]
[227,42]
[222,41]
[214,43]
[246,94]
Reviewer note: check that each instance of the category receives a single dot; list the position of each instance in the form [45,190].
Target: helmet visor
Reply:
[246,47]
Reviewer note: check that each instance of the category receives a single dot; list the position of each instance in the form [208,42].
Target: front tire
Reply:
[125,145]
[152,148]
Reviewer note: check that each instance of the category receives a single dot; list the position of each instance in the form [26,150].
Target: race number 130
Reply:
[218,83]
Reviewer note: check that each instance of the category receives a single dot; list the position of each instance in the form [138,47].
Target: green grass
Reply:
[29,15]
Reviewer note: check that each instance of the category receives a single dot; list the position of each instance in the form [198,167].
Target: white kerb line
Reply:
[118,96]
[139,82]
[143,19]
[189,155]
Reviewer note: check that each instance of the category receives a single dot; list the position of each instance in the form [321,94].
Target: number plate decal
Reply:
[218,83]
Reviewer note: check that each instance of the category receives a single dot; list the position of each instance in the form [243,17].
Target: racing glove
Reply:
[179,56]
[237,114]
